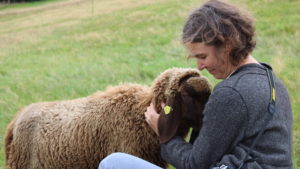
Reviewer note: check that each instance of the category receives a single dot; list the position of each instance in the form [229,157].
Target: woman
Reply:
[221,38]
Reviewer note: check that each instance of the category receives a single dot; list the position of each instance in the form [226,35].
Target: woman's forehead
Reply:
[198,48]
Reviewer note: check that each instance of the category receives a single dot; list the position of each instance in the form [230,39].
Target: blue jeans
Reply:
[125,161]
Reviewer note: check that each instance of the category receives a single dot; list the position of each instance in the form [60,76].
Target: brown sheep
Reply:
[78,134]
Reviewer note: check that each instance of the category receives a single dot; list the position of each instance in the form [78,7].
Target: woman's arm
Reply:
[224,122]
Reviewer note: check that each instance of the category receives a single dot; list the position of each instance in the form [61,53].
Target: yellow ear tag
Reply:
[273,94]
[167,109]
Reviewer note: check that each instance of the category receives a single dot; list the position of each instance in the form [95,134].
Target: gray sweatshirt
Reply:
[233,116]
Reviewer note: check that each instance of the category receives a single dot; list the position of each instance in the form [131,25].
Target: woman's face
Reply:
[214,60]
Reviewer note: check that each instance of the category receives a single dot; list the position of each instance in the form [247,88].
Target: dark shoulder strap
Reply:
[271,111]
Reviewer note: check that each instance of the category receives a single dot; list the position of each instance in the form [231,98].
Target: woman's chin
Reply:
[216,76]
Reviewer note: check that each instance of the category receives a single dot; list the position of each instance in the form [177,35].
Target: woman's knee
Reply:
[111,160]
[122,160]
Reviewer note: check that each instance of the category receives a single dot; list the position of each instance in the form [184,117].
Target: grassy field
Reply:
[70,49]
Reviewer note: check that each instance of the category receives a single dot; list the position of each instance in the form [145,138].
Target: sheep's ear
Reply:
[198,87]
[195,92]
[170,118]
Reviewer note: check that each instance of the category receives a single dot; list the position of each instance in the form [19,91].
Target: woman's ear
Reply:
[170,118]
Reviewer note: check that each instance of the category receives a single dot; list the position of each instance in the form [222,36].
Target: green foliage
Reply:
[74,50]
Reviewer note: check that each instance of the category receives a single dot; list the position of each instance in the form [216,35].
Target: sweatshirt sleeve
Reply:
[225,119]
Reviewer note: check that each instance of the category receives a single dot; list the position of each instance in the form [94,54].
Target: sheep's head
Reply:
[185,93]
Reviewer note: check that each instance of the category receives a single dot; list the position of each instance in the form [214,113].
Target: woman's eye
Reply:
[201,57]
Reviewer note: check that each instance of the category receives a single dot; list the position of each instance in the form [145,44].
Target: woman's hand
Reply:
[151,117]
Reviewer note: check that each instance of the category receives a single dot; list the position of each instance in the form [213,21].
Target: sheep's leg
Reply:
[18,139]
[13,154]
[8,141]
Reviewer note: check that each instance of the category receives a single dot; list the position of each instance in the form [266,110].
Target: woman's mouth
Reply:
[210,70]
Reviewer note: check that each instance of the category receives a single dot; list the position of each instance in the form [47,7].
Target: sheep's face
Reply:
[185,104]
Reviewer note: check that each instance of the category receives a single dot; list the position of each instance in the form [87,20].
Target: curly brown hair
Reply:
[218,24]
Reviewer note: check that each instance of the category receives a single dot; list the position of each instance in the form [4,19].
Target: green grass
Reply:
[51,55]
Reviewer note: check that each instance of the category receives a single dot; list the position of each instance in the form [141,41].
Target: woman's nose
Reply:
[201,66]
